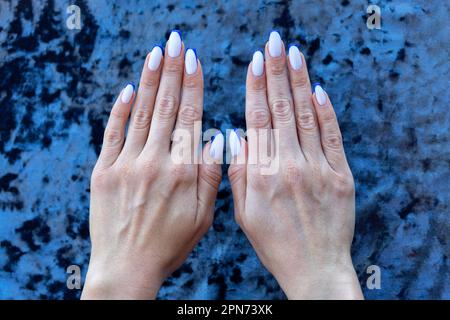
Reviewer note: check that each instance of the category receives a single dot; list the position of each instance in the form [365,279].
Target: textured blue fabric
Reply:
[389,88]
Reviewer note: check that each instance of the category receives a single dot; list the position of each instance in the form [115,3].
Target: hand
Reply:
[301,219]
[148,212]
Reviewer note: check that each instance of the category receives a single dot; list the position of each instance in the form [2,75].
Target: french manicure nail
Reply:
[235,143]
[190,61]
[275,44]
[155,58]
[127,93]
[258,63]
[174,46]
[216,149]
[295,58]
[320,94]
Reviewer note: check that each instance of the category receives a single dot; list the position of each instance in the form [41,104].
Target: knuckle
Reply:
[277,67]
[150,81]
[174,66]
[300,81]
[118,114]
[113,137]
[333,141]
[259,118]
[292,172]
[149,169]
[257,87]
[306,120]
[167,107]
[328,118]
[192,82]
[258,180]
[282,109]
[99,179]
[188,115]
[142,118]
[183,173]
[344,185]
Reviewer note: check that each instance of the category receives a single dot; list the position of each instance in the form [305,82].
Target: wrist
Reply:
[121,284]
[338,282]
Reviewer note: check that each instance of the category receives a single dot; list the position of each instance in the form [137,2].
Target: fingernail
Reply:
[295,58]
[127,93]
[320,94]
[258,63]
[174,47]
[216,149]
[155,58]
[190,61]
[235,143]
[275,44]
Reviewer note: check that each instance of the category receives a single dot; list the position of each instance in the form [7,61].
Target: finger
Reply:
[279,95]
[330,133]
[115,128]
[237,173]
[168,97]
[257,113]
[145,100]
[191,106]
[209,178]
[305,115]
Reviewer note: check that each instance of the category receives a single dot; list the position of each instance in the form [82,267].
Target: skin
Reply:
[147,213]
[301,219]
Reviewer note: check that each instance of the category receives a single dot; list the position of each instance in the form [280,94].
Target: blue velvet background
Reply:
[389,88]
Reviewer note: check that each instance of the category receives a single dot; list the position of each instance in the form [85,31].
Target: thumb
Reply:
[237,173]
[209,178]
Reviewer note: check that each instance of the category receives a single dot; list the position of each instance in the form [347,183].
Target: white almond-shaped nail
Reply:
[275,44]
[235,143]
[190,61]
[127,93]
[295,58]
[174,46]
[320,95]
[258,64]
[216,149]
[155,58]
